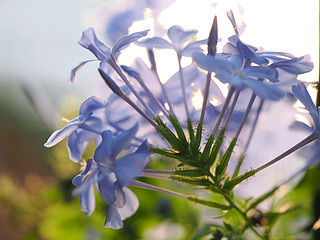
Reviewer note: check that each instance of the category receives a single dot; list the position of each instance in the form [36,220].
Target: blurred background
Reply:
[38,48]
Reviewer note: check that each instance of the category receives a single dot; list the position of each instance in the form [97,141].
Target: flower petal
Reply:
[193,47]
[102,153]
[301,92]
[113,219]
[77,180]
[130,167]
[131,206]
[126,40]
[91,104]
[263,90]
[248,54]
[260,72]
[155,42]
[87,201]
[60,134]
[107,189]
[75,70]
[89,41]
[122,141]
[179,36]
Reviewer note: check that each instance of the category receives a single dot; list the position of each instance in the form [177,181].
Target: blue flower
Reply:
[231,70]
[89,41]
[80,130]
[112,175]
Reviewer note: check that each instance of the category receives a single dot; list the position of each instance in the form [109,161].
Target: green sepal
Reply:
[209,203]
[265,196]
[216,147]
[171,154]
[238,167]
[192,181]
[169,135]
[195,144]
[222,167]
[207,149]
[173,119]
[190,172]
[190,129]
[229,185]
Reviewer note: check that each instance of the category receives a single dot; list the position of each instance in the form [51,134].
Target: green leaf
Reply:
[222,167]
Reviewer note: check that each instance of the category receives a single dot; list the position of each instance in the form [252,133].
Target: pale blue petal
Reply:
[120,200]
[130,167]
[296,125]
[75,70]
[60,134]
[213,64]
[126,40]
[131,206]
[113,219]
[103,151]
[87,201]
[193,47]
[301,92]
[107,190]
[77,144]
[123,141]
[296,65]
[260,72]
[155,42]
[264,91]
[248,54]
[77,180]
[179,36]
[89,41]
[91,104]
[143,148]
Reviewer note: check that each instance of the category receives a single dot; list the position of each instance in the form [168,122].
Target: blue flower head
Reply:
[232,70]
[90,41]
[111,175]
[80,130]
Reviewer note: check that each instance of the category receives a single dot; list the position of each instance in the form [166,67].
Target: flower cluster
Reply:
[143,107]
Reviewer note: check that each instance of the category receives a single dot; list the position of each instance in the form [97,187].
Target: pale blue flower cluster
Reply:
[140,98]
